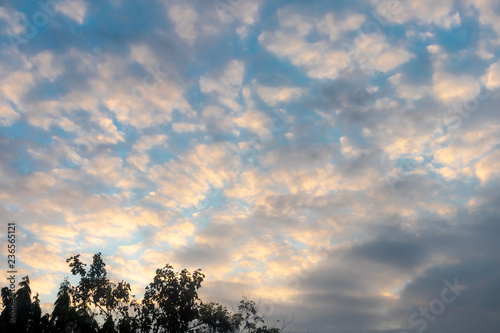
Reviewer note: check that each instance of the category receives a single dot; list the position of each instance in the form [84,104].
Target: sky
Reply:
[337,160]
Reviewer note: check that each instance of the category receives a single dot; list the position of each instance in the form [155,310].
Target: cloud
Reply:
[492,76]
[275,95]
[487,168]
[256,143]
[40,257]
[146,142]
[227,85]
[184,18]
[44,62]
[7,115]
[75,9]
[324,59]
[186,127]
[176,235]
[185,182]
[443,14]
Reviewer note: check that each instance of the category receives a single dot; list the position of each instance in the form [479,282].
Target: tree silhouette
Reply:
[28,315]
[170,305]
[171,301]
[94,288]
[67,318]
[214,318]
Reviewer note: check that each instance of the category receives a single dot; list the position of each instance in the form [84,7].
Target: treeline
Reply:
[97,305]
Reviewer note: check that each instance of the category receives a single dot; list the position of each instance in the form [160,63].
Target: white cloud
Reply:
[75,9]
[130,250]
[488,14]
[46,65]
[146,142]
[187,127]
[488,168]
[185,19]
[139,161]
[13,18]
[7,115]
[15,85]
[324,59]
[46,257]
[185,181]
[227,85]
[452,88]
[105,168]
[347,149]
[492,76]
[244,11]
[442,13]
[154,109]
[334,27]
[254,120]
[460,157]
[276,95]
[45,284]
[176,235]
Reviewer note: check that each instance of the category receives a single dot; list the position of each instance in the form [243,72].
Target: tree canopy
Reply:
[96,305]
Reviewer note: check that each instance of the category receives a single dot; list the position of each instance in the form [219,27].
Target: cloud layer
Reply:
[337,160]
